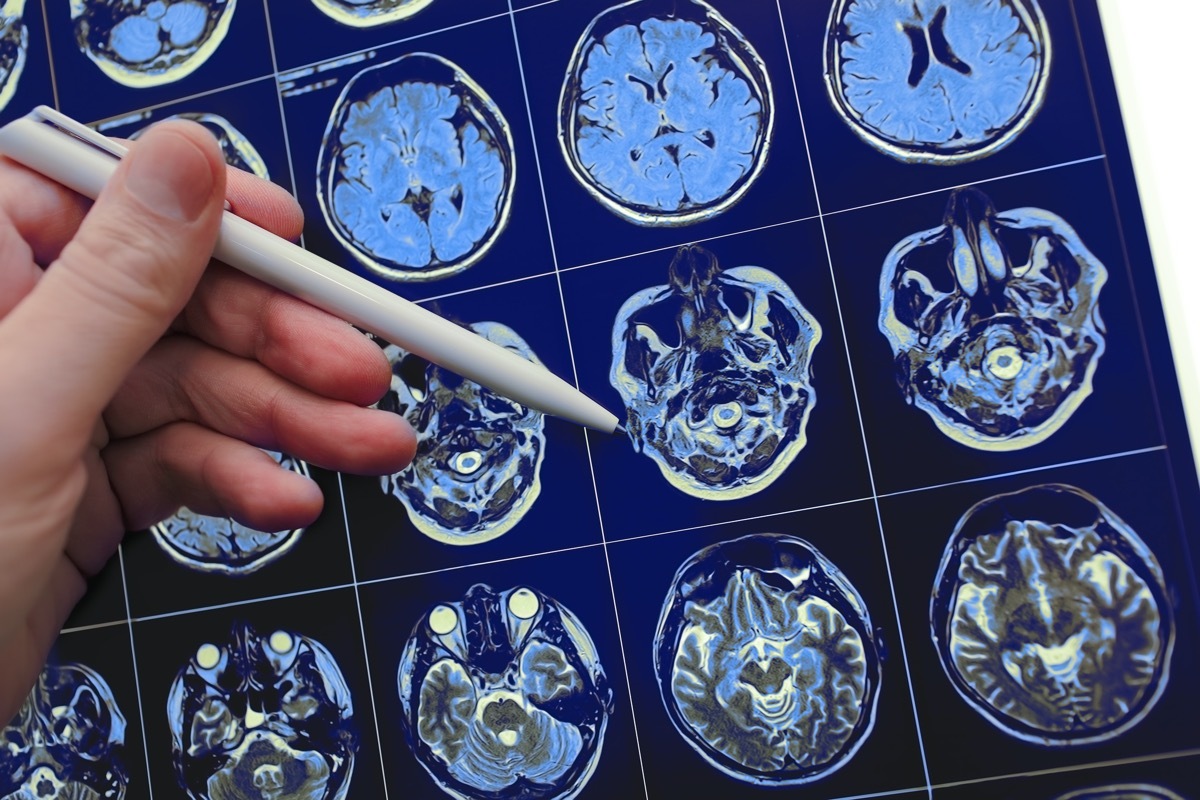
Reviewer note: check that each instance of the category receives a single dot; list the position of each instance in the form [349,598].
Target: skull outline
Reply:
[723,412]
[477,470]
[1003,359]
[14,44]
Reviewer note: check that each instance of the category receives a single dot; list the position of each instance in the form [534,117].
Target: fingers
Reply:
[118,284]
[18,273]
[306,346]
[47,215]
[182,379]
[186,464]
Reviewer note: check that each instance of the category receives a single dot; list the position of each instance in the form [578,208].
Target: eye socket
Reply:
[523,603]
[208,656]
[1005,362]
[281,642]
[443,620]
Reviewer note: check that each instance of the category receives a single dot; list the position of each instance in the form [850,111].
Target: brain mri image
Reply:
[1129,791]
[150,42]
[222,546]
[766,660]
[368,13]
[416,171]
[713,369]
[1051,617]
[504,696]
[930,81]
[993,321]
[478,465]
[14,44]
[67,740]
[237,149]
[666,112]
[262,717]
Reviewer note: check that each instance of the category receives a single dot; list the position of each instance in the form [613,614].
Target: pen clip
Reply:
[61,122]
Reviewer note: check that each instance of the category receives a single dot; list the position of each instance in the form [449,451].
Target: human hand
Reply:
[135,381]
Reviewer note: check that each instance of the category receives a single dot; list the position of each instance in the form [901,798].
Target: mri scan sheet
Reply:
[902,505]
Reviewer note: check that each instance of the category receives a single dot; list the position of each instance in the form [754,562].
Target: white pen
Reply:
[74,155]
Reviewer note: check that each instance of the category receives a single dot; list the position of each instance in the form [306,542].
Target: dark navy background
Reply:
[1135,403]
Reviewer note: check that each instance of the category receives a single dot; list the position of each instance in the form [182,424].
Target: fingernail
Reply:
[171,175]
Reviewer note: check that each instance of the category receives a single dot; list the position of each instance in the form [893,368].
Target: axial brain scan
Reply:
[262,717]
[236,148]
[766,660]
[478,465]
[666,112]
[1131,791]
[417,168]
[67,741]
[150,42]
[367,13]
[930,81]
[713,369]
[504,696]
[14,44]
[1051,617]
[993,320]
[219,544]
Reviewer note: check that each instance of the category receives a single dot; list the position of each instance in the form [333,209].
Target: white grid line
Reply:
[362,629]
[50,55]
[287,143]
[1092,765]
[137,684]
[150,109]
[575,372]
[857,407]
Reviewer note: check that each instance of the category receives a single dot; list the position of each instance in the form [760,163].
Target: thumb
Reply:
[118,284]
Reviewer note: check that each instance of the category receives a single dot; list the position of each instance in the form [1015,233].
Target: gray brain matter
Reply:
[143,44]
[504,697]
[937,82]
[994,321]
[477,470]
[1051,617]
[262,718]
[1128,791]
[368,13]
[417,169]
[666,112]
[221,545]
[714,372]
[767,661]
[14,44]
[67,740]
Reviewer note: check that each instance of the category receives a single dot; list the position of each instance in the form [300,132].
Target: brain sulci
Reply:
[714,371]
[994,322]
[416,170]
[504,696]
[937,82]
[66,741]
[143,44]
[766,660]
[262,716]
[666,112]
[477,469]
[221,545]
[1051,617]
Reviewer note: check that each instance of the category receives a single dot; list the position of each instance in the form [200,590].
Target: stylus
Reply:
[74,155]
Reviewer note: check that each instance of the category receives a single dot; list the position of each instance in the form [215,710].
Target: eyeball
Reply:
[523,604]
[443,620]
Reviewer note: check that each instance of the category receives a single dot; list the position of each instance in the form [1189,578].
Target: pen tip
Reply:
[620,430]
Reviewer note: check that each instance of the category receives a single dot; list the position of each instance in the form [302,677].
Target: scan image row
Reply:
[1052,619]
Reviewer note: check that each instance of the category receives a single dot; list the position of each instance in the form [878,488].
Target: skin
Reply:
[138,377]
